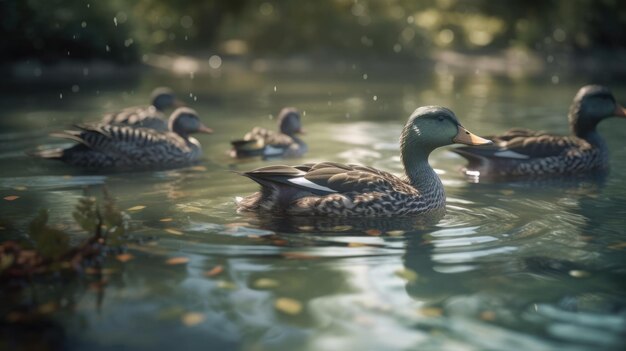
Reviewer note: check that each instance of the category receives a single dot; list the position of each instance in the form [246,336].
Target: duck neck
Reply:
[585,128]
[419,172]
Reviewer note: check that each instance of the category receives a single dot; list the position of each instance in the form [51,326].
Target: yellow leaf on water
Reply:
[430,311]
[223,284]
[125,257]
[488,316]
[407,274]
[353,244]
[579,274]
[373,232]
[136,208]
[11,197]
[617,246]
[173,231]
[395,232]
[265,283]
[192,318]
[168,219]
[19,188]
[341,228]
[288,306]
[214,271]
[177,260]
[198,168]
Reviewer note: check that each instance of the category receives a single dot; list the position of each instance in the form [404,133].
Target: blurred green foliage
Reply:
[122,31]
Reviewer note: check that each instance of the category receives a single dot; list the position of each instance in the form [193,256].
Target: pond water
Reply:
[512,266]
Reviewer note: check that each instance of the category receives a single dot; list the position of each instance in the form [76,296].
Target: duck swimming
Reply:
[334,189]
[268,144]
[127,148]
[152,116]
[529,153]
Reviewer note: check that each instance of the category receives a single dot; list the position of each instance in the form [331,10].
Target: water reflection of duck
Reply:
[152,116]
[333,189]
[266,143]
[527,153]
[125,147]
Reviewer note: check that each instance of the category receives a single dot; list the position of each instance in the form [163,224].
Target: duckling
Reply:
[102,146]
[152,116]
[524,153]
[334,189]
[269,144]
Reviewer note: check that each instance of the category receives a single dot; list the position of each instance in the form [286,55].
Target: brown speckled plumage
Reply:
[128,148]
[528,153]
[151,116]
[334,189]
[266,143]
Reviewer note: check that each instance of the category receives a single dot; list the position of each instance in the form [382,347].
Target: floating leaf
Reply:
[125,257]
[617,246]
[373,232]
[407,274]
[306,228]
[198,168]
[430,311]
[488,316]
[214,271]
[395,232]
[192,318]
[341,228]
[177,260]
[168,219]
[288,306]
[19,188]
[136,208]
[579,274]
[353,244]
[298,256]
[266,283]
[223,284]
[173,231]
[11,197]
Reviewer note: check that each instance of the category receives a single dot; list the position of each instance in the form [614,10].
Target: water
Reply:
[525,266]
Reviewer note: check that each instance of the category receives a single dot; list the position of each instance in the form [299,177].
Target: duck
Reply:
[525,153]
[105,146]
[152,116]
[350,190]
[268,144]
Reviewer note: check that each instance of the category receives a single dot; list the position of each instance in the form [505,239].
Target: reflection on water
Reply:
[535,265]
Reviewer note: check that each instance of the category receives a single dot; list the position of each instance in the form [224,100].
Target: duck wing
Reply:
[523,144]
[328,178]
[138,116]
[123,140]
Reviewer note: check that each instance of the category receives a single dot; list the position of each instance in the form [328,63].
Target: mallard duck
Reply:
[102,146]
[152,116]
[268,144]
[529,153]
[334,189]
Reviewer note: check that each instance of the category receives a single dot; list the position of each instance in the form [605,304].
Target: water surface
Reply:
[526,266]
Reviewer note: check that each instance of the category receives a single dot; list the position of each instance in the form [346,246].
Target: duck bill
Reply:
[463,136]
[620,111]
[204,129]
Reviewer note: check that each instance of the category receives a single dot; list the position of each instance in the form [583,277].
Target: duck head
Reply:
[185,121]
[289,121]
[430,127]
[163,98]
[592,104]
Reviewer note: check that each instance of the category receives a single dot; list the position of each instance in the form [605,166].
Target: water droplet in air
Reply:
[115,21]
[375,98]
[364,76]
